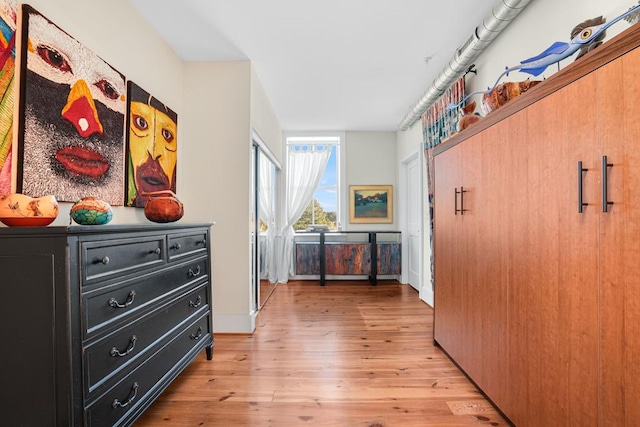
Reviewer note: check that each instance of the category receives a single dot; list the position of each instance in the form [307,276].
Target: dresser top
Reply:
[97,229]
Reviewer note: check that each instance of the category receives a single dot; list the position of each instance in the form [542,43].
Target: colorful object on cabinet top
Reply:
[91,211]
[555,53]
[163,206]
[469,116]
[20,210]
[505,92]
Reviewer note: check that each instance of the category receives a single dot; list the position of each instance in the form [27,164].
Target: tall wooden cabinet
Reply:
[537,278]
[98,320]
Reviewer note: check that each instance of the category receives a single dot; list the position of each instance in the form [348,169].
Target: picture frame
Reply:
[371,204]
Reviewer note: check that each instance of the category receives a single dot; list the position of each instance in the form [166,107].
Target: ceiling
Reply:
[355,65]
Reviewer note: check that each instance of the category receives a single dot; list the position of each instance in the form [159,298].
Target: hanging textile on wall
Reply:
[439,123]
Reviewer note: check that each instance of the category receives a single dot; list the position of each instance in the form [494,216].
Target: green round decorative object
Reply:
[91,211]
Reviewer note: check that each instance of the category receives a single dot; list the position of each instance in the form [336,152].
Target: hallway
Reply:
[348,354]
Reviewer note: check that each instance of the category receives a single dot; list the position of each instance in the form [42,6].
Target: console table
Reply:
[342,253]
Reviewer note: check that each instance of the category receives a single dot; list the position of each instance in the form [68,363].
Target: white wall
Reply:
[217,131]
[369,158]
[263,119]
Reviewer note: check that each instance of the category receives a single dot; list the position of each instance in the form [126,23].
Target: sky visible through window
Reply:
[327,197]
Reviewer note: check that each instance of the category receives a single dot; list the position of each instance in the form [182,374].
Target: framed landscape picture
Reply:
[370,204]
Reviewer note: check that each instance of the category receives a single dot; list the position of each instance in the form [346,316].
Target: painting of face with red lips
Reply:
[72,117]
[152,146]
[8,16]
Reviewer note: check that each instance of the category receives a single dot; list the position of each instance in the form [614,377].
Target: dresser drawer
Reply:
[187,244]
[122,404]
[105,358]
[104,259]
[112,304]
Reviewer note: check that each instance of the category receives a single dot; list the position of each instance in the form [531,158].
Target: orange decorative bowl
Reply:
[163,206]
[20,210]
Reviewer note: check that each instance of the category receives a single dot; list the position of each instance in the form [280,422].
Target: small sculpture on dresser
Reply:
[163,206]
[91,211]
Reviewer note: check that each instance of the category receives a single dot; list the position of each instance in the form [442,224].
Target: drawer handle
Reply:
[198,334]
[105,260]
[115,304]
[201,242]
[197,303]
[132,395]
[132,344]
[176,246]
[195,273]
[156,251]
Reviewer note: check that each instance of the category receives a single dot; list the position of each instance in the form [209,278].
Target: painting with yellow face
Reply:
[152,132]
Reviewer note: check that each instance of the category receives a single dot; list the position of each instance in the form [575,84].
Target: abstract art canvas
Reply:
[152,146]
[8,12]
[72,116]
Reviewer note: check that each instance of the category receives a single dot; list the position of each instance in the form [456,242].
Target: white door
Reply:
[414,222]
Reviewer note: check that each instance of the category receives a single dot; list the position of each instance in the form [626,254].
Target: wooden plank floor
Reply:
[347,354]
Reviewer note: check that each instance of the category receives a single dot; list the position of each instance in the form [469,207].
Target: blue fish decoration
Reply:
[561,50]
[558,51]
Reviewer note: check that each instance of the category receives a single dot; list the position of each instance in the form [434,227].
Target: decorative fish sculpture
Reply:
[561,50]
[558,51]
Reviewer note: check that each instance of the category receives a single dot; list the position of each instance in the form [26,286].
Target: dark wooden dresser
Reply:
[96,321]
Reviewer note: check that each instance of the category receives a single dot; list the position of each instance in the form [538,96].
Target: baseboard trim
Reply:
[234,323]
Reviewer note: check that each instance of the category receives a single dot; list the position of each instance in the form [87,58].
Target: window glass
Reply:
[324,207]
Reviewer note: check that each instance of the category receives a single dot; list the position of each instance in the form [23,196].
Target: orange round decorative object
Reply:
[20,210]
[163,206]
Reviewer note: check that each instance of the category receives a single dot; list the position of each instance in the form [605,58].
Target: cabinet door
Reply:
[475,201]
[488,253]
[449,250]
[619,132]
[553,347]
[471,316]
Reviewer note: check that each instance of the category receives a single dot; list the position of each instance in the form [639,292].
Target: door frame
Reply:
[404,224]
[258,147]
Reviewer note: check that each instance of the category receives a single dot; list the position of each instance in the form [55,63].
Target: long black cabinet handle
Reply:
[462,209]
[605,178]
[581,203]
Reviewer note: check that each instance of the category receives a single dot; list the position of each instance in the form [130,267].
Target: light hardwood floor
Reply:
[347,354]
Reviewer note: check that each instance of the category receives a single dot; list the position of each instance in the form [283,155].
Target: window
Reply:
[324,207]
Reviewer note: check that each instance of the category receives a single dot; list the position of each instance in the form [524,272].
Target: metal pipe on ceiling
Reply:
[501,15]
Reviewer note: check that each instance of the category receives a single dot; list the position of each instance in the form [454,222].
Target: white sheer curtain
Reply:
[266,208]
[304,171]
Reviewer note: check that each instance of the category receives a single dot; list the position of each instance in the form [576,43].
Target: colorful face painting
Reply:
[7,87]
[152,146]
[72,116]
